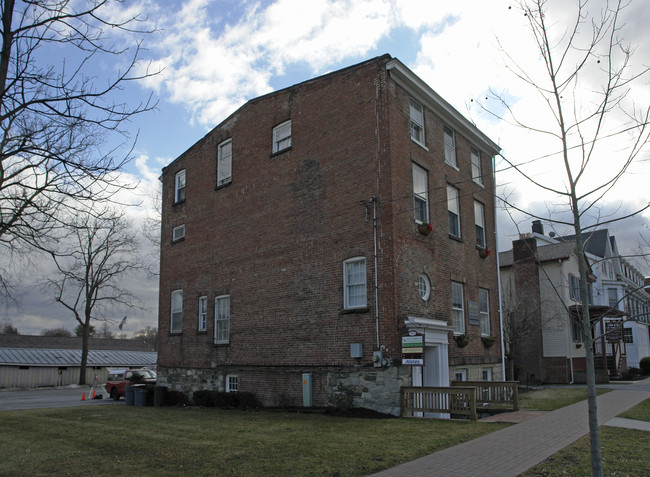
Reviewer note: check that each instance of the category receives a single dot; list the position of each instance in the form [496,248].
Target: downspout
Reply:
[569,340]
[373,199]
[496,253]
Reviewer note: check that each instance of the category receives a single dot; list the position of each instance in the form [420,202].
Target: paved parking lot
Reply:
[69,396]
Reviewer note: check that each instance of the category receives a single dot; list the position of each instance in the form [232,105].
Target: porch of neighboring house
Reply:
[610,360]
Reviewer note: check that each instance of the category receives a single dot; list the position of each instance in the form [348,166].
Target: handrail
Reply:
[452,400]
[494,394]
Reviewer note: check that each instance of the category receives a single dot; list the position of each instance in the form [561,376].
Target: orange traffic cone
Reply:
[83,396]
[93,396]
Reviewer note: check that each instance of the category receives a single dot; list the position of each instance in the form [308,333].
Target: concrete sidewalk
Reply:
[511,451]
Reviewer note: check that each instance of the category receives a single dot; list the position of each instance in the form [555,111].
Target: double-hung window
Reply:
[453,206]
[222,319]
[479,221]
[176,322]
[417,121]
[354,283]
[477,171]
[450,146]
[612,297]
[420,195]
[574,288]
[282,136]
[203,313]
[484,311]
[179,187]
[232,383]
[224,163]
[457,308]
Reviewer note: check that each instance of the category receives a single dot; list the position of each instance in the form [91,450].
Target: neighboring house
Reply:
[316,226]
[43,361]
[541,289]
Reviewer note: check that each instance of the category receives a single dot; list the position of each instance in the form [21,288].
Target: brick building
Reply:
[317,225]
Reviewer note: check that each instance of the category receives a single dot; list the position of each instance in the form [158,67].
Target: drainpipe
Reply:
[496,253]
[373,200]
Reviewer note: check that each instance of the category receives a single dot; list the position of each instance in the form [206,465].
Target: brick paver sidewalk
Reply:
[511,451]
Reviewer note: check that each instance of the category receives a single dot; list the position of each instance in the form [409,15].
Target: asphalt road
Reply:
[13,400]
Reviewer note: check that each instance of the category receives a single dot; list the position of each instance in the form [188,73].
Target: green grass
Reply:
[124,440]
[549,399]
[624,451]
[640,412]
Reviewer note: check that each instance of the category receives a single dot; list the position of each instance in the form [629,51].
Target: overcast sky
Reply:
[217,54]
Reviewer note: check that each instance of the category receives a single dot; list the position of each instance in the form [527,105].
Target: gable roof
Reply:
[595,242]
[64,342]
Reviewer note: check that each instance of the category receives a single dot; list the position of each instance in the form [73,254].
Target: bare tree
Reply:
[583,118]
[92,263]
[55,114]
[149,335]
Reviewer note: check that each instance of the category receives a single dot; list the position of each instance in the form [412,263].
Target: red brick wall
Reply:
[276,237]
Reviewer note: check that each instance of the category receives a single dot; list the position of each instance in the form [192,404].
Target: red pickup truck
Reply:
[119,378]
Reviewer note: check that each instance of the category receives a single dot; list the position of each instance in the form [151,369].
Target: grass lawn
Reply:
[624,451]
[125,440]
[549,399]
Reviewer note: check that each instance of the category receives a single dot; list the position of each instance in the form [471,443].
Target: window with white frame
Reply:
[176,322]
[477,171]
[460,375]
[417,121]
[479,221]
[574,288]
[232,383]
[487,374]
[457,308]
[420,194]
[179,187]
[450,146]
[282,136]
[203,313]
[628,335]
[224,162]
[424,287]
[484,311]
[354,283]
[178,233]
[612,296]
[222,319]
[453,206]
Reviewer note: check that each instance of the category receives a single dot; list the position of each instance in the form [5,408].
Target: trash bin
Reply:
[159,394]
[128,395]
[140,392]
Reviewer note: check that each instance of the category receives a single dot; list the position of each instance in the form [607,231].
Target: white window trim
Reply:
[463,374]
[221,160]
[417,170]
[346,285]
[418,122]
[477,167]
[203,313]
[217,328]
[424,287]
[453,207]
[230,380]
[277,140]
[479,221]
[178,233]
[180,178]
[455,310]
[177,312]
[454,160]
[484,314]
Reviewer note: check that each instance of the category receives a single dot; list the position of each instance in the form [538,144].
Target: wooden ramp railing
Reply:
[462,398]
[456,400]
[494,395]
